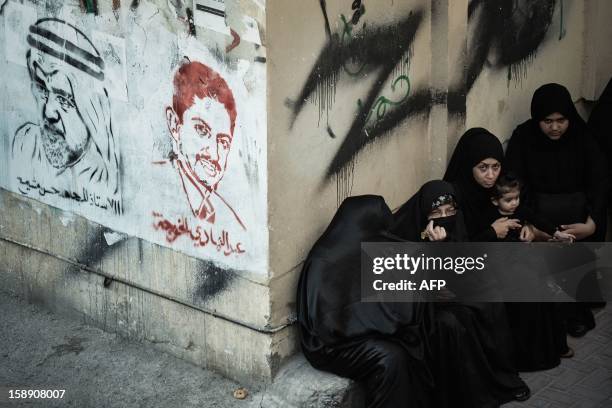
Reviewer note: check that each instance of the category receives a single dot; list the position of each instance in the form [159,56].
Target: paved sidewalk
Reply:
[584,381]
[41,350]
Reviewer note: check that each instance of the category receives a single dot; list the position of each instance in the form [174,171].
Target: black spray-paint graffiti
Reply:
[383,52]
[511,29]
[70,150]
[210,279]
[91,6]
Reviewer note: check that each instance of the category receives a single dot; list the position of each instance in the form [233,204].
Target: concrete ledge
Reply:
[299,385]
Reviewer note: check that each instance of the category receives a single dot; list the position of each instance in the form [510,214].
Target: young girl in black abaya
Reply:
[471,367]
[565,176]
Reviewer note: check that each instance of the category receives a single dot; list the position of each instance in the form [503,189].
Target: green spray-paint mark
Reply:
[382,102]
[562,31]
[90,6]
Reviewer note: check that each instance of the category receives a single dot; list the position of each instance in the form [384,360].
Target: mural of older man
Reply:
[70,150]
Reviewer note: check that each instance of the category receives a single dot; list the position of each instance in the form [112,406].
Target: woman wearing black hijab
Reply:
[565,177]
[471,368]
[382,345]
[473,171]
[536,330]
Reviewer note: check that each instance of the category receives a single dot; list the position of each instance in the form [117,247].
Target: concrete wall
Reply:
[338,127]
[117,153]
[597,63]
[348,110]
[547,46]
[92,150]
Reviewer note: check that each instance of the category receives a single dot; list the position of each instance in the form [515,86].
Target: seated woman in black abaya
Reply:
[381,345]
[469,341]
[565,177]
[537,332]
[392,348]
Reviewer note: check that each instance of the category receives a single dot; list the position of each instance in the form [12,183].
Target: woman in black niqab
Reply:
[468,343]
[411,219]
[382,345]
[565,179]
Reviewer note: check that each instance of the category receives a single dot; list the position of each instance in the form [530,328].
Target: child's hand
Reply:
[563,236]
[503,225]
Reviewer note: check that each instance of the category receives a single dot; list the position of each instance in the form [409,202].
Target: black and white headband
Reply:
[442,200]
[52,44]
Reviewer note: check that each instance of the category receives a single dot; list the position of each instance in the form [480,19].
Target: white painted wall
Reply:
[141,50]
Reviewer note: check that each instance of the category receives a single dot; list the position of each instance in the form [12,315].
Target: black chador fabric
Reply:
[538,333]
[476,145]
[599,124]
[565,179]
[382,345]
[471,353]
[535,331]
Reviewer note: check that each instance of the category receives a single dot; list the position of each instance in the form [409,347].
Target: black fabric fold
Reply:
[471,344]
[565,181]
[383,345]
[572,164]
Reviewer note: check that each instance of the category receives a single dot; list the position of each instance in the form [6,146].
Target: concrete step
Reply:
[299,385]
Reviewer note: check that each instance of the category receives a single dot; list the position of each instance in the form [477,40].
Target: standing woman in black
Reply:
[565,177]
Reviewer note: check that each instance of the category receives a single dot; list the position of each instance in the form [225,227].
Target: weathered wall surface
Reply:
[518,49]
[133,148]
[597,62]
[348,107]
[127,118]
[370,97]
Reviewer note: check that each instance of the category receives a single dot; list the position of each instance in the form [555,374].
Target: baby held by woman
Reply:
[507,200]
